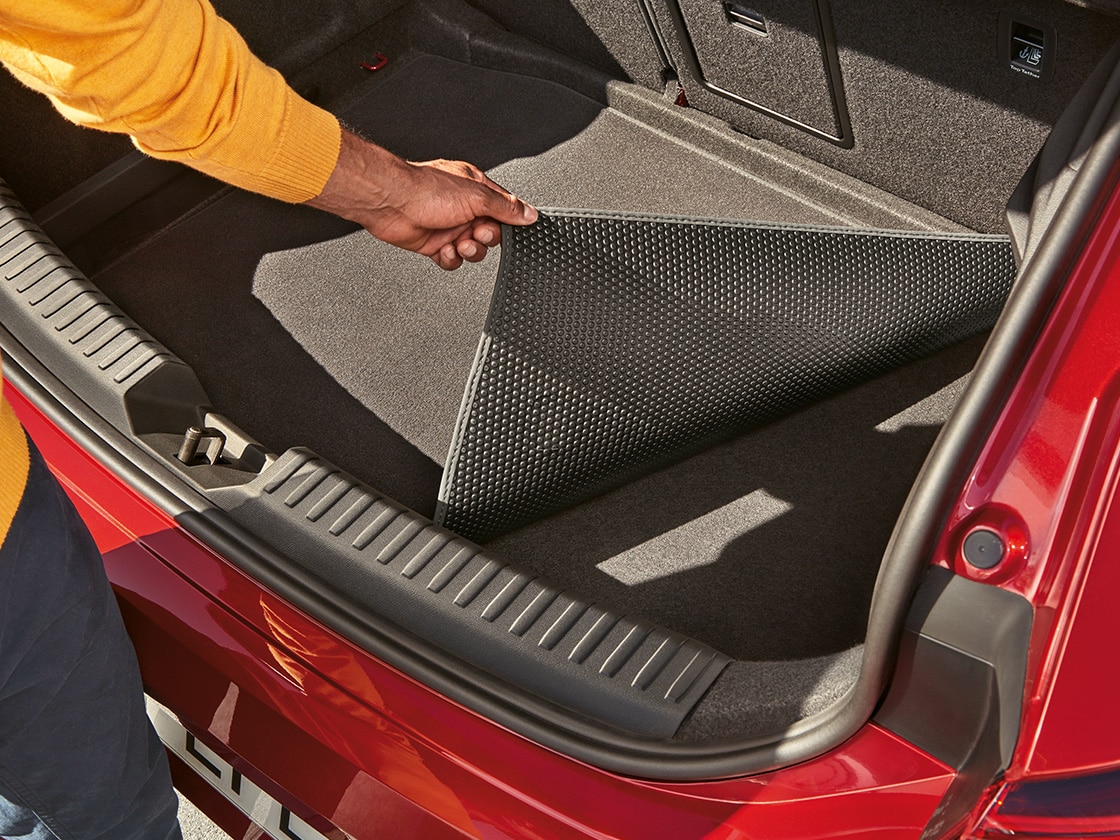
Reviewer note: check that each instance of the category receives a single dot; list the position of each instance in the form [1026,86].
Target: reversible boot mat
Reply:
[616,344]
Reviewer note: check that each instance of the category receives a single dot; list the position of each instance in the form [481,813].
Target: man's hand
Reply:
[447,210]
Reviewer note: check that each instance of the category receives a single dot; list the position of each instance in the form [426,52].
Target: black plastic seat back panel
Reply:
[616,344]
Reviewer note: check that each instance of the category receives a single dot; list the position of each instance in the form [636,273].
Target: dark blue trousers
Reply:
[78,757]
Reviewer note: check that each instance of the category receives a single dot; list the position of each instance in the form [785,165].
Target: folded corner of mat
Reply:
[616,344]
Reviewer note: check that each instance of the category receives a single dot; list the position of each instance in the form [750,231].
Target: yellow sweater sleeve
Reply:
[14,464]
[180,80]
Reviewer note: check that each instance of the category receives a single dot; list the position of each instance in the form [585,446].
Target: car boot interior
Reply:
[306,332]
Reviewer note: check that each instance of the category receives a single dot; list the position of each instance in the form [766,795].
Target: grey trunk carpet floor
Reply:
[308,332]
[616,344]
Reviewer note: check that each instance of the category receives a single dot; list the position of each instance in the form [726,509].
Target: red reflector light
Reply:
[1080,806]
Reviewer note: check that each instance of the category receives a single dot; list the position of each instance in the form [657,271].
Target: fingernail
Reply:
[486,236]
[468,249]
[530,213]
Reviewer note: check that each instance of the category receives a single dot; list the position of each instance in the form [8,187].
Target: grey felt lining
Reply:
[938,116]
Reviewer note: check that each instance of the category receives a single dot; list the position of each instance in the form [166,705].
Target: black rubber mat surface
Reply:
[616,344]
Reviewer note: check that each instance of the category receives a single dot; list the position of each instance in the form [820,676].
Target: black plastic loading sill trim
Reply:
[604,666]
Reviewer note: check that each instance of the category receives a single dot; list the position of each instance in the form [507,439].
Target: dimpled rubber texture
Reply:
[617,344]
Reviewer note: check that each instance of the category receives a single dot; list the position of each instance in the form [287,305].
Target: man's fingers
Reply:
[487,232]
[470,250]
[448,257]
[503,206]
[469,243]
[509,209]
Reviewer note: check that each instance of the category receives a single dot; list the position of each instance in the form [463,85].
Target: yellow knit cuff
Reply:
[307,153]
[301,154]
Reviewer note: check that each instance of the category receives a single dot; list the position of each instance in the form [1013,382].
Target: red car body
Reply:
[290,714]
[340,743]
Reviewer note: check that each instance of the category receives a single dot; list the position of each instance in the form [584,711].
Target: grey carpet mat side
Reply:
[616,344]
